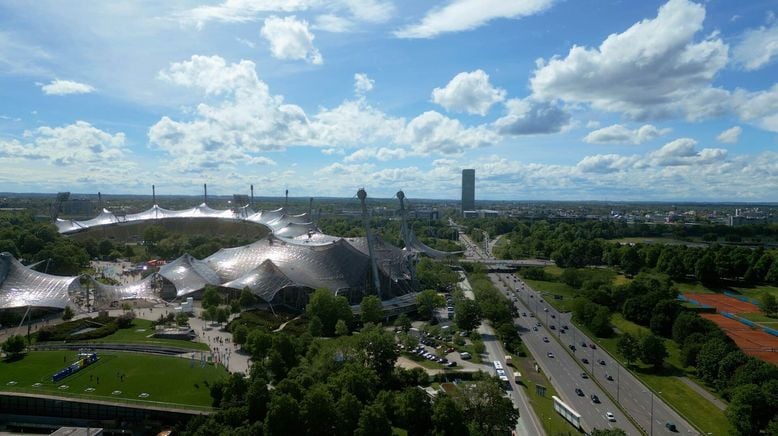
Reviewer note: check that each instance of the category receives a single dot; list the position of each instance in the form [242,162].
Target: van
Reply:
[508,360]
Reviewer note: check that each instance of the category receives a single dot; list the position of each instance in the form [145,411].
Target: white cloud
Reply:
[333,23]
[290,38]
[354,123]
[730,136]
[528,117]
[606,163]
[461,15]
[432,132]
[621,135]
[468,92]
[382,154]
[79,143]
[682,152]
[759,108]
[362,83]
[65,87]
[653,69]
[757,48]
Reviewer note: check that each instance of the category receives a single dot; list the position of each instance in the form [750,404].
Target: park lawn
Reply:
[555,288]
[756,291]
[140,333]
[693,288]
[553,270]
[166,379]
[689,403]
[621,279]
[552,422]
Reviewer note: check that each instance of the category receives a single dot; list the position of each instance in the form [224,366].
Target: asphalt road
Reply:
[633,396]
[563,370]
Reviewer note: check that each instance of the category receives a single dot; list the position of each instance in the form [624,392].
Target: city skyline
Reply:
[547,100]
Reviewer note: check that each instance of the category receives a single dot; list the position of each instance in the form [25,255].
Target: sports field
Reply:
[121,377]
[753,342]
[723,303]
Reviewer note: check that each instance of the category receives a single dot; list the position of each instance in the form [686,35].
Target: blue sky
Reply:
[546,99]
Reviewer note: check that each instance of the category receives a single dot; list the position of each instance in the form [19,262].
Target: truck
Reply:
[508,360]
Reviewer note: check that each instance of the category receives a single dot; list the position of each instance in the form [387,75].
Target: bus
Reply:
[500,372]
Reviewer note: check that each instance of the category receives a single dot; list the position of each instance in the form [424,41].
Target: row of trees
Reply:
[32,241]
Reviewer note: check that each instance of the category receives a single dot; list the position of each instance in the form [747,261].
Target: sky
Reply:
[546,99]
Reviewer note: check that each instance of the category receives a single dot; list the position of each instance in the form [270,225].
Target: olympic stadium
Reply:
[281,268]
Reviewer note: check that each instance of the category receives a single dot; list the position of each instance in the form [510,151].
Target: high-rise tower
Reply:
[468,190]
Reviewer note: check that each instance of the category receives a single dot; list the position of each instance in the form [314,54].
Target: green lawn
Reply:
[688,402]
[693,288]
[140,333]
[166,379]
[757,290]
[555,288]
[553,270]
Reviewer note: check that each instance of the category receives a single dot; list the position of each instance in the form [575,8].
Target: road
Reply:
[630,393]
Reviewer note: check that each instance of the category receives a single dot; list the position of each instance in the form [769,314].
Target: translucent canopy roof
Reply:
[21,286]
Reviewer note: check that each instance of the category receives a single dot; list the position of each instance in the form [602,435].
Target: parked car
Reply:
[579,392]
[670,426]
[553,327]
[583,344]
[601,362]
[611,417]
[464,355]
[451,364]
[572,347]
[534,329]
[609,377]
[595,398]
[594,347]
[545,339]
[583,375]
[551,355]
[585,360]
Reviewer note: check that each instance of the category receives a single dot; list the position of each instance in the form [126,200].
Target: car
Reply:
[565,327]
[464,355]
[562,331]
[579,392]
[553,327]
[443,360]
[572,347]
[608,377]
[553,316]
[545,339]
[670,426]
[583,344]
[534,329]
[583,375]
[523,313]
[551,355]
[451,364]
[450,350]
[531,296]
[585,360]
[545,309]
[601,362]
[611,417]
[594,347]
[595,399]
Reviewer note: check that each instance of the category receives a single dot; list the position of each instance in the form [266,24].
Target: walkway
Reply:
[705,394]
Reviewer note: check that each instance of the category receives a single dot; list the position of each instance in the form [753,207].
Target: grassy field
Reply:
[165,379]
[693,288]
[688,402]
[555,288]
[756,291]
[552,422]
[140,333]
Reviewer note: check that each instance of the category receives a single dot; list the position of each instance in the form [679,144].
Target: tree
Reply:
[68,314]
[415,411]
[348,409]
[747,411]
[182,319]
[705,269]
[246,298]
[467,314]
[448,417]
[258,343]
[769,304]
[628,347]
[318,411]
[373,422]
[14,346]
[709,356]
[212,313]
[283,416]
[427,301]
[240,334]
[491,411]
[211,297]
[371,309]
[403,322]
[341,328]
[653,350]
[663,316]
[378,351]
[315,327]
[329,308]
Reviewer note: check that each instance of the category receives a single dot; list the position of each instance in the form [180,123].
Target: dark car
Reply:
[552,327]
[579,392]
[595,399]
[583,344]
[451,364]
[585,360]
[583,375]
[572,347]
[609,377]
[670,426]
[594,347]
[601,362]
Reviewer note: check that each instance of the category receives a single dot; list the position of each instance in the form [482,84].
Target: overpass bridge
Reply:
[504,265]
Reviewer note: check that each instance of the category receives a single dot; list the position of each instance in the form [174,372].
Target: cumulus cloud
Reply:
[242,11]
[382,154]
[682,152]
[460,15]
[73,144]
[730,136]
[653,69]
[759,108]
[468,92]
[757,48]
[333,23]
[528,117]
[432,132]
[65,87]
[606,163]
[353,123]
[362,83]
[290,38]
[619,134]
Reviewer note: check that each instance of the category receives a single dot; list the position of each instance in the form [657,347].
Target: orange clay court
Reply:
[723,303]
[753,342]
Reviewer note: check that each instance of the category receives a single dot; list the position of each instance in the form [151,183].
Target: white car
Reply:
[551,355]
[610,416]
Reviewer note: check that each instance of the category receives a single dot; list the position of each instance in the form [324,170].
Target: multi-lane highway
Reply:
[563,370]
[629,392]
